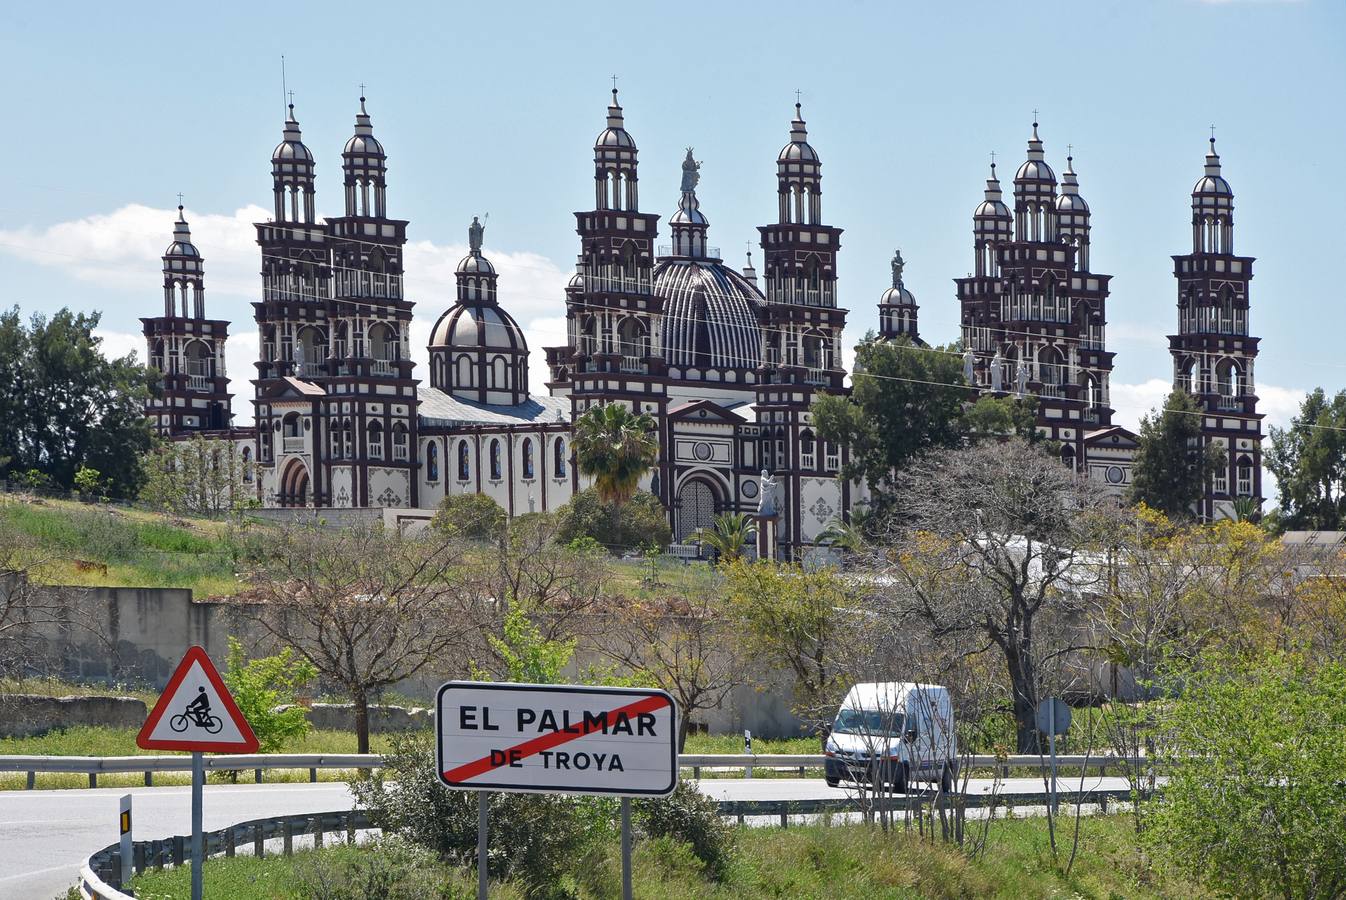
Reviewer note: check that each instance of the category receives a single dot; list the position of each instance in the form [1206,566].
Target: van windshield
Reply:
[869,722]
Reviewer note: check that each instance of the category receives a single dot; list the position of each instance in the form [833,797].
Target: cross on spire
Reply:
[798,92]
[291,93]
[362,90]
[1212,131]
[1070,150]
[179,199]
[1035,115]
[614,82]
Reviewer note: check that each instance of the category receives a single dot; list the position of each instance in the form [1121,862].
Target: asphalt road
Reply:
[45,835]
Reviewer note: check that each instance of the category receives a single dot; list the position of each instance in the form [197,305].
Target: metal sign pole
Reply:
[482,875]
[626,848]
[198,782]
[124,829]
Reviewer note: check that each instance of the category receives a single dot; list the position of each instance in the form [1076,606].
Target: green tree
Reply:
[640,522]
[264,690]
[66,405]
[205,476]
[1255,804]
[472,516]
[87,481]
[727,536]
[1171,467]
[907,400]
[526,654]
[617,447]
[1309,462]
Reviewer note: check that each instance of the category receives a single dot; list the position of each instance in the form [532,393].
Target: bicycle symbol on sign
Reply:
[198,713]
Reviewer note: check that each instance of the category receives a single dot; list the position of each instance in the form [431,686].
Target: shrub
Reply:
[639,523]
[540,839]
[472,516]
[386,869]
[1255,801]
[261,686]
[690,816]
[88,481]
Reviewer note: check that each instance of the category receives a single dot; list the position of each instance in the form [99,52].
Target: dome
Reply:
[710,315]
[292,145]
[1070,199]
[1035,170]
[475,264]
[995,209]
[799,147]
[897,296]
[483,327]
[363,142]
[1213,184]
[1071,203]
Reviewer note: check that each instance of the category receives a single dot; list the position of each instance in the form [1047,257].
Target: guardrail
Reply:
[100,876]
[93,766]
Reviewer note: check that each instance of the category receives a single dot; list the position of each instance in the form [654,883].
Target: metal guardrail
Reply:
[93,766]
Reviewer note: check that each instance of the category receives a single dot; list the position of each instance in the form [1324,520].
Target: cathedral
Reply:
[727,361]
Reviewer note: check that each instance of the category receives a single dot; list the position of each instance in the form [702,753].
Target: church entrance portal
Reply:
[696,508]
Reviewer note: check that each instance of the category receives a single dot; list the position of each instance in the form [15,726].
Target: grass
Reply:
[137,547]
[100,741]
[840,862]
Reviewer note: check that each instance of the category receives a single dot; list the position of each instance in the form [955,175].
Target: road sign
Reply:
[195,712]
[569,739]
[1052,716]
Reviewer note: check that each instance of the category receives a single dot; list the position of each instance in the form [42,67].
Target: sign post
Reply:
[565,739]
[747,748]
[196,713]
[1052,718]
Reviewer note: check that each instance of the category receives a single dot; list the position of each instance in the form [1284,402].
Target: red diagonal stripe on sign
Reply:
[553,739]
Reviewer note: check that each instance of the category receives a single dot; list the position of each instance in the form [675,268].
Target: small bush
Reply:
[541,840]
[262,686]
[472,516]
[639,523]
[690,816]
[388,869]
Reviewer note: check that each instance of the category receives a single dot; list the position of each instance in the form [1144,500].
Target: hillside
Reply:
[67,542]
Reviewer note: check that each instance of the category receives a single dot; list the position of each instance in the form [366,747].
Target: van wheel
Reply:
[902,780]
[831,782]
[946,778]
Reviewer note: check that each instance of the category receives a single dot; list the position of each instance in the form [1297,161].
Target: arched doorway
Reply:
[696,508]
[294,485]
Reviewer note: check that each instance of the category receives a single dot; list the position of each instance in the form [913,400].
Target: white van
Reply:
[897,731]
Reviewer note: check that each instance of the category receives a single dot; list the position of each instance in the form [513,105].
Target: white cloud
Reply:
[1132,401]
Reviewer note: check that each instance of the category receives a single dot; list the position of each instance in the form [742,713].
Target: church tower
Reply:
[1033,312]
[613,317]
[897,308]
[801,326]
[186,348]
[336,402]
[1213,352]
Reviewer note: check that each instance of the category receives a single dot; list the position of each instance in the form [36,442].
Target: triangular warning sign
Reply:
[195,712]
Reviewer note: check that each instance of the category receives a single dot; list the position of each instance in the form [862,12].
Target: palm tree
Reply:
[617,447]
[850,536]
[727,537]
[1247,509]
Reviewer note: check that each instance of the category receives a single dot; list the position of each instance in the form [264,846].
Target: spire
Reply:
[363,126]
[1035,143]
[1212,159]
[615,111]
[749,272]
[798,133]
[181,233]
[993,192]
[1069,183]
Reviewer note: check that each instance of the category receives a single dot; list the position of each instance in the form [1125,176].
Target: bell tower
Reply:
[1213,351]
[186,348]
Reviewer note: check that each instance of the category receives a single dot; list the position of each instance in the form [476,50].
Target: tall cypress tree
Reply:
[1171,468]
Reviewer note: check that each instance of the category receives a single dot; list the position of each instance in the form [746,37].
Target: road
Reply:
[45,835]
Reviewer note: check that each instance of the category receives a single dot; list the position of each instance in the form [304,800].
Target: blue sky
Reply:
[112,109]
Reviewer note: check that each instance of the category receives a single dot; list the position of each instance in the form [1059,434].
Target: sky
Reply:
[113,109]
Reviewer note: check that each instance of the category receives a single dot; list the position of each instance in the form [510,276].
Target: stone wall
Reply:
[27,715]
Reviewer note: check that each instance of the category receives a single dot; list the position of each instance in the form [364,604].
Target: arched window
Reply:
[495,460]
[432,461]
[1245,477]
[375,440]
[559,462]
[348,439]
[464,378]
[807,448]
[247,464]
[527,457]
[399,441]
[498,373]
[464,461]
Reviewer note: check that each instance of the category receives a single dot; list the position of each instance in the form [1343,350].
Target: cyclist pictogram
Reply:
[198,713]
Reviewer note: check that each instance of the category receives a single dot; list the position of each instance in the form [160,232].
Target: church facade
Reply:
[727,361]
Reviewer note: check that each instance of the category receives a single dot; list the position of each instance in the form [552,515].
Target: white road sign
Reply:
[545,738]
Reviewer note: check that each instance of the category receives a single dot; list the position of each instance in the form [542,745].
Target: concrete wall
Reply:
[25,715]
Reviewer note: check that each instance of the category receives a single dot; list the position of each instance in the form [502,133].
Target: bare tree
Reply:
[30,612]
[680,644]
[367,606]
[999,541]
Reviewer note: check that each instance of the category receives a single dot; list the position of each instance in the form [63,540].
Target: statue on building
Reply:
[474,235]
[998,372]
[766,497]
[1021,379]
[691,173]
[969,361]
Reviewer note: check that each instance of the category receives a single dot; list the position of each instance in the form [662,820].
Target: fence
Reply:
[93,766]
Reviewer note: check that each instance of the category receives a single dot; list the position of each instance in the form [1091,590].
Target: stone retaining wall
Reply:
[28,715]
